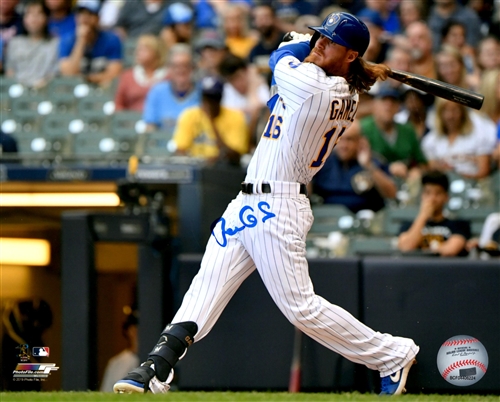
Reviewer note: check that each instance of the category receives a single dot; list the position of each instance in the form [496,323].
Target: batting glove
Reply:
[293,37]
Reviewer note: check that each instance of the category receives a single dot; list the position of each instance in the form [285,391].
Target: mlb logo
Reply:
[41,351]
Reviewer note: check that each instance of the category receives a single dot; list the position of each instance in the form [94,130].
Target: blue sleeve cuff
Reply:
[298,50]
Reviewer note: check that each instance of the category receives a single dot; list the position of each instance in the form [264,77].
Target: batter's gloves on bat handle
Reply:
[294,37]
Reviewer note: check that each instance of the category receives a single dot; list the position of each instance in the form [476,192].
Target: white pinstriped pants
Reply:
[276,247]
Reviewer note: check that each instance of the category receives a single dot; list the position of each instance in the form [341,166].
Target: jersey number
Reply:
[273,129]
[327,138]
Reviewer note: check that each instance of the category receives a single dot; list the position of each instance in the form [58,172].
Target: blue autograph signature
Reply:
[248,221]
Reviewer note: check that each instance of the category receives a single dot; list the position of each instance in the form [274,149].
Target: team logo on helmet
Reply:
[334,18]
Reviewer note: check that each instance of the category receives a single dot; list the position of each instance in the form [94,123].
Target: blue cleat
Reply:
[141,380]
[394,384]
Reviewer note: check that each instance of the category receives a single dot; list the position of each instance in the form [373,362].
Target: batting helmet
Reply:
[344,29]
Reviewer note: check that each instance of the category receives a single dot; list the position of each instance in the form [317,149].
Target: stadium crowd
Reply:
[198,72]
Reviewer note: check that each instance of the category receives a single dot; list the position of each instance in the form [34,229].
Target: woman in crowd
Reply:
[148,70]
[457,144]
[490,88]
[451,68]
[488,54]
[32,58]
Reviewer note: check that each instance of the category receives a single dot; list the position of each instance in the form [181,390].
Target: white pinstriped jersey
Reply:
[312,113]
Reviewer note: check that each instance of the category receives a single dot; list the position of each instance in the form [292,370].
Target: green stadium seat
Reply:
[330,218]
[157,143]
[129,47]
[126,128]
[93,145]
[476,217]
[394,217]
[5,98]
[374,245]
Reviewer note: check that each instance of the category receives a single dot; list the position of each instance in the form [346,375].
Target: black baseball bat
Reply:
[439,88]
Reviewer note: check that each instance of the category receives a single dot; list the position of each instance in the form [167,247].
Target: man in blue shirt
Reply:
[166,100]
[352,177]
[62,21]
[95,54]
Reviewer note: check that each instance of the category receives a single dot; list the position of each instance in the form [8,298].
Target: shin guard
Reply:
[173,343]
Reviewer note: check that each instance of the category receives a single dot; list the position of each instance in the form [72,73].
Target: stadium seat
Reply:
[129,52]
[59,131]
[373,245]
[65,85]
[157,144]
[331,217]
[93,145]
[125,129]
[5,97]
[476,217]
[394,217]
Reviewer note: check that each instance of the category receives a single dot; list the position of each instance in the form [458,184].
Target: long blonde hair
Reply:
[466,124]
[156,45]
[452,51]
[488,87]
[362,75]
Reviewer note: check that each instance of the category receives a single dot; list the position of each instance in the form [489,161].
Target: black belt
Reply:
[247,188]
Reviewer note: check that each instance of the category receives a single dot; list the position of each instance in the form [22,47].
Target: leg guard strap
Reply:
[142,374]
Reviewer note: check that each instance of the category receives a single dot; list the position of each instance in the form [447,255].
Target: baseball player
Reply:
[316,85]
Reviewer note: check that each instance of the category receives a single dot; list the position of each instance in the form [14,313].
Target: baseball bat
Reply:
[439,88]
[431,86]
[296,368]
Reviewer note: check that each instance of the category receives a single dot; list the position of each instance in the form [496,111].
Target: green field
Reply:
[232,396]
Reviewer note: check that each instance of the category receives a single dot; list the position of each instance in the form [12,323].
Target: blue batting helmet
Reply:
[344,29]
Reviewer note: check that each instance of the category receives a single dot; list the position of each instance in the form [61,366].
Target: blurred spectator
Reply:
[208,12]
[410,11]
[178,24]
[211,49]
[395,142]
[166,100]
[351,176]
[377,47]
[212,131]
[32,58]
[389,16]
[454,34]
[108,15]
[431,230]
[119,365]
[288,11]
[141,17]
[451,68]
[62,21]
[11,23]
[235,26]
[397,58]
[488,55]
[490,88]
[8,144]
[95,54]
[446,10]
[244,90]
[457,143]
[420,46]
[149,70]
[415,106]
[490,235]
[488,244]
[266,23]
[303,23]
